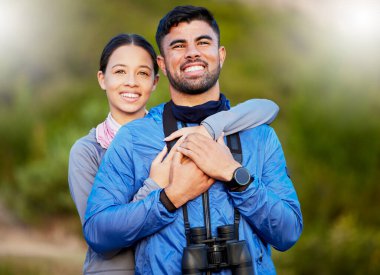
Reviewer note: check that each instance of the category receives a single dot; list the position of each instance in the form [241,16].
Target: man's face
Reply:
[192,59]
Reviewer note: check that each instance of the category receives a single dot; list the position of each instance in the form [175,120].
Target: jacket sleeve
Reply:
[246,115]
[112,221]
[148,186]
[270,204]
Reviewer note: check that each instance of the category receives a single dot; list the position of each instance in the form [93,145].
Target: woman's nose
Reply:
[130,80]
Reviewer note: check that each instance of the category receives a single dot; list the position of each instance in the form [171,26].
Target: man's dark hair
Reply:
[184,14]
[127,39]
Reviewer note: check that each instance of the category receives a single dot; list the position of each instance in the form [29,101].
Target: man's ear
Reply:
[101,80]
[161,64]
[222,55]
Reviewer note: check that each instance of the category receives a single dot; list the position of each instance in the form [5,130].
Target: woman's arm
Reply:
[246,115]
[83,164]
[148,186]
[158,174]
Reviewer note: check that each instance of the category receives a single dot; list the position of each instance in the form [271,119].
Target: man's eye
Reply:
[204,42]
[178,46]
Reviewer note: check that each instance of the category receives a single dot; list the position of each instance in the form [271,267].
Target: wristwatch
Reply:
[240,178]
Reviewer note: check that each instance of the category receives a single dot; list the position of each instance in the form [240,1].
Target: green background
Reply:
[321,71]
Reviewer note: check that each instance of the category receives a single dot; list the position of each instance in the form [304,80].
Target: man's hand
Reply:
[213,158]
[187,181]
[188,130]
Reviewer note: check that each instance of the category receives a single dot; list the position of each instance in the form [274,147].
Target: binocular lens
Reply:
[226,232]
[198,234]
[216,253]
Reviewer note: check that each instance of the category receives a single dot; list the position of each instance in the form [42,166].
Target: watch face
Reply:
[242,176]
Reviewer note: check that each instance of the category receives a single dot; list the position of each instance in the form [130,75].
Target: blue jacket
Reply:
[269,207]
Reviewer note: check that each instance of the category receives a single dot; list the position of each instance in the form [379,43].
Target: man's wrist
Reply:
[229,172]
[167,202]
[241,179]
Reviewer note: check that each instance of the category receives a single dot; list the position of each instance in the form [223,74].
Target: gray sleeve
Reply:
[148,186]
[83,165]
[84,161]
[246,115]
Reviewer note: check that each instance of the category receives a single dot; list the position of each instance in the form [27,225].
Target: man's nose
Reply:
[192,51]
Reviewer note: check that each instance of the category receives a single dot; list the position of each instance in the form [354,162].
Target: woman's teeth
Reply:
[130,95]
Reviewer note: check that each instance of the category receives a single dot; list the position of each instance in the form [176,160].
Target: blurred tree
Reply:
[328,93]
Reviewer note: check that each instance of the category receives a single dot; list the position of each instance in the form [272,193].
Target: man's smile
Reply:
[194,68]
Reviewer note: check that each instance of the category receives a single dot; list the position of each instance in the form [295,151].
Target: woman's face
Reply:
[129,80]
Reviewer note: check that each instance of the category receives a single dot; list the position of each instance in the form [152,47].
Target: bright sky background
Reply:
[34,31]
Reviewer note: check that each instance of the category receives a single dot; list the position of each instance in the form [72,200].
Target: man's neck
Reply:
[189,100]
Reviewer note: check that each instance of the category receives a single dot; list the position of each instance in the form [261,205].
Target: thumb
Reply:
[210,181]
[175,134]
[161,155]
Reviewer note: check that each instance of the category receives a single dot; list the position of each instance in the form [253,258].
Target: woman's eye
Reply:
[143,73]
[120,72]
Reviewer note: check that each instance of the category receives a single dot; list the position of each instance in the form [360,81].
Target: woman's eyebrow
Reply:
[146,67]
[119,65]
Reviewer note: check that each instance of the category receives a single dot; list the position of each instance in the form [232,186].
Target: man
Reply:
[259,189]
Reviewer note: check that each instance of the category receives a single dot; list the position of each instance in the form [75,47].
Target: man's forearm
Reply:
[118,226]
[277,221]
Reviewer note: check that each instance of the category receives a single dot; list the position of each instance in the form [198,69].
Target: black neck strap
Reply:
[170,125]
[233,143]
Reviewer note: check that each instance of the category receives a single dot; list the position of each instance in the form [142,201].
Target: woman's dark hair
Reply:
[126,39]
[184,14]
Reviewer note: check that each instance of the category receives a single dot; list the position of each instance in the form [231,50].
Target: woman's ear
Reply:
[101,80]
[161,64]
[155,82]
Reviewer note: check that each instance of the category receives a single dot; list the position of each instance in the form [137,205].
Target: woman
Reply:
[129,74]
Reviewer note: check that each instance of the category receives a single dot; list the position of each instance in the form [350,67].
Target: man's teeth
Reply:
[130,95]
[193,68]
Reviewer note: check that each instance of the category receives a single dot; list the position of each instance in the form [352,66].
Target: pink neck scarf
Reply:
[106,131]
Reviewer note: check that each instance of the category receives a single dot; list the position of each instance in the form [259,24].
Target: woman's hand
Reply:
[188,130]
[160,168]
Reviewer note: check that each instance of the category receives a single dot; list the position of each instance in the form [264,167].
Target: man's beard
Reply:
[194,86]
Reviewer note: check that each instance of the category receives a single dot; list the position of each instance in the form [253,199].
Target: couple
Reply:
[135,205]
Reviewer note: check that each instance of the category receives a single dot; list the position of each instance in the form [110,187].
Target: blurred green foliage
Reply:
[38,266]
[328,123]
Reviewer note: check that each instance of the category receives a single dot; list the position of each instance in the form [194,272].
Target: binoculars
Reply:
[214,254]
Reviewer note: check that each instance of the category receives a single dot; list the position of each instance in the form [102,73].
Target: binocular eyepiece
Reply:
[216,253]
